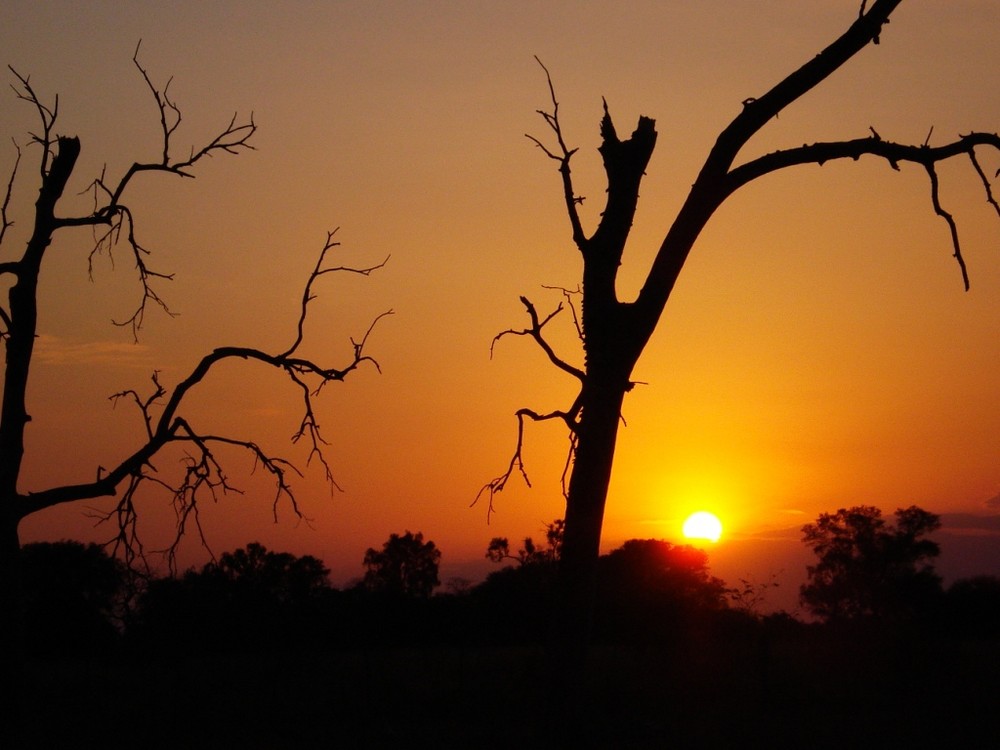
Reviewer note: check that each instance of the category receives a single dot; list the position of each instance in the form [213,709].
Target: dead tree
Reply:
[166,421]
[615,332]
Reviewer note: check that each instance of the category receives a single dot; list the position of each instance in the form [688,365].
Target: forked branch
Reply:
[47,115]
[563,155]
[516,464]
[203,473]
[108,210]
[535,332]
[319,270]
[231,140]
[570,417]
[895,154]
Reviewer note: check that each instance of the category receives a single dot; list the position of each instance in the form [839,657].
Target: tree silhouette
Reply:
[615,332]
[280,575]
[868,568]
[642,571]
[163,410]
[73,595]
[406,566]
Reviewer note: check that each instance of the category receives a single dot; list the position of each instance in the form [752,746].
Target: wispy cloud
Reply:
[993,503]
[52,350]
[778,534]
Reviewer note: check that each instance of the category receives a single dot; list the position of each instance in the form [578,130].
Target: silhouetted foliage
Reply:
[249,598]
[278,575]
[363,669]
[869,569]
[654,567]
[650,588]
[749,596]
[499,548]
[973,607]
[406,566]
[513,604]
[74,594]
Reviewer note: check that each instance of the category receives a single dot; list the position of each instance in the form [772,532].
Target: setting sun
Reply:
[703,525]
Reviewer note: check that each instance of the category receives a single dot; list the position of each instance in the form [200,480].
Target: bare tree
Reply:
[615,332]
[166,422]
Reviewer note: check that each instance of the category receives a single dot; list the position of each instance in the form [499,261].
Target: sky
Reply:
[818,351]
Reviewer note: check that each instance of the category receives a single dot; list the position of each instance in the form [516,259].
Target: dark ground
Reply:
[803,691]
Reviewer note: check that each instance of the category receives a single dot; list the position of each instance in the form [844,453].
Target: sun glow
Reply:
[703,525]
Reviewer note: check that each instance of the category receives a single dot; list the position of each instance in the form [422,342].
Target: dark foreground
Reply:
[807,691]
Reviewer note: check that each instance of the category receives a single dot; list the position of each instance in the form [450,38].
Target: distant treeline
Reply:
[80,600]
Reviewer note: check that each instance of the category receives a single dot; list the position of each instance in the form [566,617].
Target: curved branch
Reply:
[146,274]
[516,464]
[307,295]
[234,138]
[5,221]
[985,180]
[144,404]
[127,541]
[709,191]
[172,428]
[758,111]
[949,220]
[894,153]
[108,209]
[535,332]
[47,115]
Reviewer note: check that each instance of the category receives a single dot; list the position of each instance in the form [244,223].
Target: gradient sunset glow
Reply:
[818,351]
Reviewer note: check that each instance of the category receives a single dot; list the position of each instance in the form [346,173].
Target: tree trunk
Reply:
[22,314]
[613,337]
[572,617]
[12,656]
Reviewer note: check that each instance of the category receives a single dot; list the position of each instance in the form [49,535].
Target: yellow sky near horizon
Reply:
[818,351]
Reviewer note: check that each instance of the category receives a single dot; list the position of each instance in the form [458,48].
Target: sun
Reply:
[703,525]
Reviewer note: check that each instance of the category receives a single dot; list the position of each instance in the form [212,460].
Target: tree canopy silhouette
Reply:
[615,332]
[649,568]
[281,575]
[868,568]
[406,566]
[248,598]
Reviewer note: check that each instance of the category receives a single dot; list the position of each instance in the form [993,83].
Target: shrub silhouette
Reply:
[73,597]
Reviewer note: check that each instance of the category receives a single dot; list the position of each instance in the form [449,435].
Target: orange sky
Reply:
[818,351]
